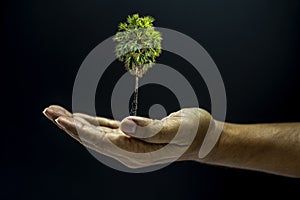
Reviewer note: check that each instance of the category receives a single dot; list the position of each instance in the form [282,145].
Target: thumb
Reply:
[141,127]
[149,130]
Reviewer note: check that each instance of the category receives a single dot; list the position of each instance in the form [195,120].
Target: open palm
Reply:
[136,134]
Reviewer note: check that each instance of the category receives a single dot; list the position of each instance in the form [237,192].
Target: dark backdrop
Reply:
[254,43]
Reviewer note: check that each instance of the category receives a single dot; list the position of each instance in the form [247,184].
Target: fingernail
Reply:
[128,126]
[45,112]
[60,125]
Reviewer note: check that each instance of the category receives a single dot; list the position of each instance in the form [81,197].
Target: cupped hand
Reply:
[182,131]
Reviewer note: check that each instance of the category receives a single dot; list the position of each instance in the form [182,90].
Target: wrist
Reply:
[209,131]
[221,137]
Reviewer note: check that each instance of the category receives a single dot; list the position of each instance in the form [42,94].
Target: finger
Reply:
[54,111]
[99,121]
[98,140]
[101,128]
[70,132]
[84,131]
[149,130]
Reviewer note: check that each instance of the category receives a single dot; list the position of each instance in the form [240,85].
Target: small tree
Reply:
[138,45]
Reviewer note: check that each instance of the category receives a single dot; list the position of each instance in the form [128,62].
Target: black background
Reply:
[255,45]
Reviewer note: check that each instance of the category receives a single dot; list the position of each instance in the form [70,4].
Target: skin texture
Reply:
[272,148]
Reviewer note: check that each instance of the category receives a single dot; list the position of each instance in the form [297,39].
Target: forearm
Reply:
[273,148]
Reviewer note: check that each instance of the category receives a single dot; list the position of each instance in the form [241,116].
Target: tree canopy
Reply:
[138,44]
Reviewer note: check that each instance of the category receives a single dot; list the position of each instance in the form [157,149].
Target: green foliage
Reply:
[138,44]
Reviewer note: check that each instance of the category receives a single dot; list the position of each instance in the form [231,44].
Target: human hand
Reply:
[182,132]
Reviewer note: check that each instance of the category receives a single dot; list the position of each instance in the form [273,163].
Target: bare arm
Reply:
[273,148]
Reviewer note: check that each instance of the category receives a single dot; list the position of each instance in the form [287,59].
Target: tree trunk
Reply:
[135,97]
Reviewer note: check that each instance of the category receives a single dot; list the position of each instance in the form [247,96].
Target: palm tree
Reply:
[138,45]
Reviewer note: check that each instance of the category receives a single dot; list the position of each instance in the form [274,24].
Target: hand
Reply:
[135,135]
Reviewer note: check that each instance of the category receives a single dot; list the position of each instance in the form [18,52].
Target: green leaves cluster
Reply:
[138,44]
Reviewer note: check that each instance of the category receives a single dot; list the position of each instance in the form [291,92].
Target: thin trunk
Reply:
[136,92]
[135,97]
